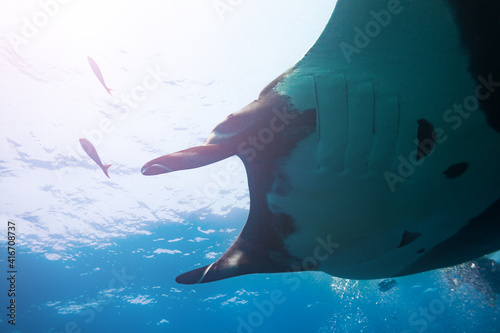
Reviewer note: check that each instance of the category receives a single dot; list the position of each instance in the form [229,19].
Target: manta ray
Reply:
[377,154]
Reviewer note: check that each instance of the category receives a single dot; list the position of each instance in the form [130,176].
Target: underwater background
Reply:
[94,254]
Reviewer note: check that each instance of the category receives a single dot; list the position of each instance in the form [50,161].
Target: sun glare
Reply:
[89,25]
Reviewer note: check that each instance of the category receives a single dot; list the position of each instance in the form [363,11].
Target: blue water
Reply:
[126,287]
[101,255]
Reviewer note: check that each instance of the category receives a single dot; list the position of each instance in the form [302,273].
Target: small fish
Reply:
[90,150]
[98,73]
[386,285]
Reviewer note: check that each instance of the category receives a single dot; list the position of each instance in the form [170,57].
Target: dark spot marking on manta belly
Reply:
[456,170]
[426,138]
[421,251]
[408,237]
[477,238]
[479,24]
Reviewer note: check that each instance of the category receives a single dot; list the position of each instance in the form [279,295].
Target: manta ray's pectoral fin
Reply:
[480,236]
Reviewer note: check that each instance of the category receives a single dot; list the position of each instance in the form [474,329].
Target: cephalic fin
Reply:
[195,276]
[188,159]
[243,258]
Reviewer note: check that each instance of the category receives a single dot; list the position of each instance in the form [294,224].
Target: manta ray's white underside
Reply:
[388,166]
